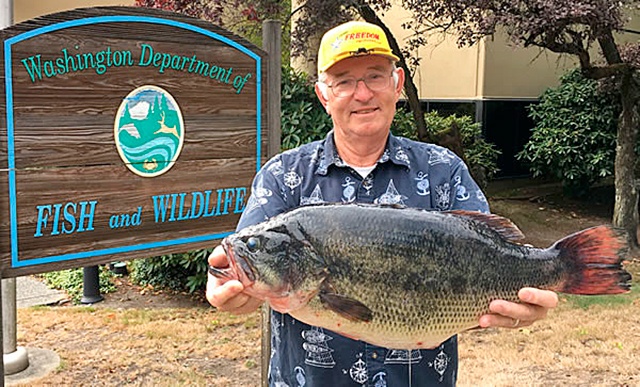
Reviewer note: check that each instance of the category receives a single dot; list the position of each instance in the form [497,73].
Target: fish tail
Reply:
[593,259]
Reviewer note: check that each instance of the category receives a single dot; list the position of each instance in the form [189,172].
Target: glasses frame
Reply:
[355,87]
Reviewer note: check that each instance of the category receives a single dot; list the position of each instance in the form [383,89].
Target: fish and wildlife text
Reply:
[77,217]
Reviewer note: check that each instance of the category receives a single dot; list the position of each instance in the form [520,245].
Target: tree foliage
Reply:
[183,272]
[243,17]
[480,155]
[573,27]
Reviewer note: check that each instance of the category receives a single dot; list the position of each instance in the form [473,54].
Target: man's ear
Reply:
[398,79]
[322,93]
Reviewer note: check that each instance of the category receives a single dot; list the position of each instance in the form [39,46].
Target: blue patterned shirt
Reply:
[409,173]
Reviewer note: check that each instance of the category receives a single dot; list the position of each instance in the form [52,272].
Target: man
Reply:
[360,161]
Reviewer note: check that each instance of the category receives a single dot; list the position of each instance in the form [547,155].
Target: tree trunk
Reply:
[308,62]
[625,213]
[410,89]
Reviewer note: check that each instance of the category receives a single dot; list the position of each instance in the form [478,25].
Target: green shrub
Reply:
[303,117]
[574,137]
[71,282]
[183,272]
[481,156]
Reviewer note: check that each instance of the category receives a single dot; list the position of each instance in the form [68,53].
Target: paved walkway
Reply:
[31,292]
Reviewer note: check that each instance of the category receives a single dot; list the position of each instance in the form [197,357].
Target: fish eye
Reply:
[253,243]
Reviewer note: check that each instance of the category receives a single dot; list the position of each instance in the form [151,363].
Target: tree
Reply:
[572,27]
[317,16]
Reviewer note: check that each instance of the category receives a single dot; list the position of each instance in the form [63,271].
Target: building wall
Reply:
[446,71]
[28,9]
[520,73]
[492,68]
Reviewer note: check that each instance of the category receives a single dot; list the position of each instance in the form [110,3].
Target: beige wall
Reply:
[520,73]
[28,9]
[493,68]
[488,69]
[449,72]
[446,72]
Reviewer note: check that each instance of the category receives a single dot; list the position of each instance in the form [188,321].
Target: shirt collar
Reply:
[395,151]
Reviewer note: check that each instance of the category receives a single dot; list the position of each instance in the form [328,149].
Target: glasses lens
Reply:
[344,88]
[377,82]
[374,81]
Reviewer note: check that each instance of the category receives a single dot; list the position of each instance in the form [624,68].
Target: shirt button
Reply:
[375,355]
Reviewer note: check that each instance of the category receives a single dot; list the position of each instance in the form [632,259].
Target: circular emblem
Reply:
[149,131]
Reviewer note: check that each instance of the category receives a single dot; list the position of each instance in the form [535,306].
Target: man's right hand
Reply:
[227,295]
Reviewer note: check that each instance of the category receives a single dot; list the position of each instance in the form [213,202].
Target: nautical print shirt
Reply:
[409,173]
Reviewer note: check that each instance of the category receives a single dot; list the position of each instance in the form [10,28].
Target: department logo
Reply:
[149,131]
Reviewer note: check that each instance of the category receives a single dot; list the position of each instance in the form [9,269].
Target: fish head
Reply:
[274,262]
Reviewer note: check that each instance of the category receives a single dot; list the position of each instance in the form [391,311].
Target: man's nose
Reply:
[362,90]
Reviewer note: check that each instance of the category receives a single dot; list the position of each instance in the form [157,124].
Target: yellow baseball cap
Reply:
[350,39]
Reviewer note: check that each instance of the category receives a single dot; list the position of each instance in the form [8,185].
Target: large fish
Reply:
[407,278]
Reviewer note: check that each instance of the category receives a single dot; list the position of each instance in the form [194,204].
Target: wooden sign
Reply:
[126,132]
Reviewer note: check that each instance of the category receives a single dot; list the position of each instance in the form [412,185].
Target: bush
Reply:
[303,117]
[183,272]
[481,156]
[574,137]
[71,282]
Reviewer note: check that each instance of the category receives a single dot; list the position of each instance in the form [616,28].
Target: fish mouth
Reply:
[237,269]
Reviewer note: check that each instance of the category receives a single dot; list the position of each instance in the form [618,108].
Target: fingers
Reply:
[227,295]
[544,298]
[218,258]
[534,306]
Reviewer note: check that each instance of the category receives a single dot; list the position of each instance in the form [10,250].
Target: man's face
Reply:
[366,112]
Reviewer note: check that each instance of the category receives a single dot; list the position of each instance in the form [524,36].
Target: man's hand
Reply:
[534,306]
[227,295]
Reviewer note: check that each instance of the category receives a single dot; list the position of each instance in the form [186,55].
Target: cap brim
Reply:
[347,55]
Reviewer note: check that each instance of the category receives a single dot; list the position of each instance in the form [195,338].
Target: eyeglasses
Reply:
[376,81]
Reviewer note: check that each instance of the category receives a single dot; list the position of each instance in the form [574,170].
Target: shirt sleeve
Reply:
[467,195]
[266,199]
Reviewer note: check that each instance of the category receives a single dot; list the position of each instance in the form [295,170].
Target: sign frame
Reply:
[96,16]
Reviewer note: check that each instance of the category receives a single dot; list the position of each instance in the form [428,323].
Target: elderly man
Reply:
[360,161]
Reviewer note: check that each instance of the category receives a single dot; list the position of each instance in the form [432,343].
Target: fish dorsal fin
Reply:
[499,224]
[346,307]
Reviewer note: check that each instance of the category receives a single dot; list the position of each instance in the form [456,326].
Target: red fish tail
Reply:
[593,261]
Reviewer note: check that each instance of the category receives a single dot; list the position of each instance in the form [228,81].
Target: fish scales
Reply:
[402,278]
[407,261]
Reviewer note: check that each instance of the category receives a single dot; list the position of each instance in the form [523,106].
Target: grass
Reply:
[586,341]
[574,346]
[586,302]
[163,346]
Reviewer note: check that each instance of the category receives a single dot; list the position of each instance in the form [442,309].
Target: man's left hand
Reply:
[534,306]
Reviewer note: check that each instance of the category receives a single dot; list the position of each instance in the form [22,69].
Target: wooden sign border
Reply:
[127,17]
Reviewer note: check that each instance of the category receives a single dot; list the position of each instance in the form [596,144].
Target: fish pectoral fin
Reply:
[346,307]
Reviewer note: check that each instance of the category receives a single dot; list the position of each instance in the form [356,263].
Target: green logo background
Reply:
[149,131]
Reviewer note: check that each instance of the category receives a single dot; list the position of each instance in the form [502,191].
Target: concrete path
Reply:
[32,292]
